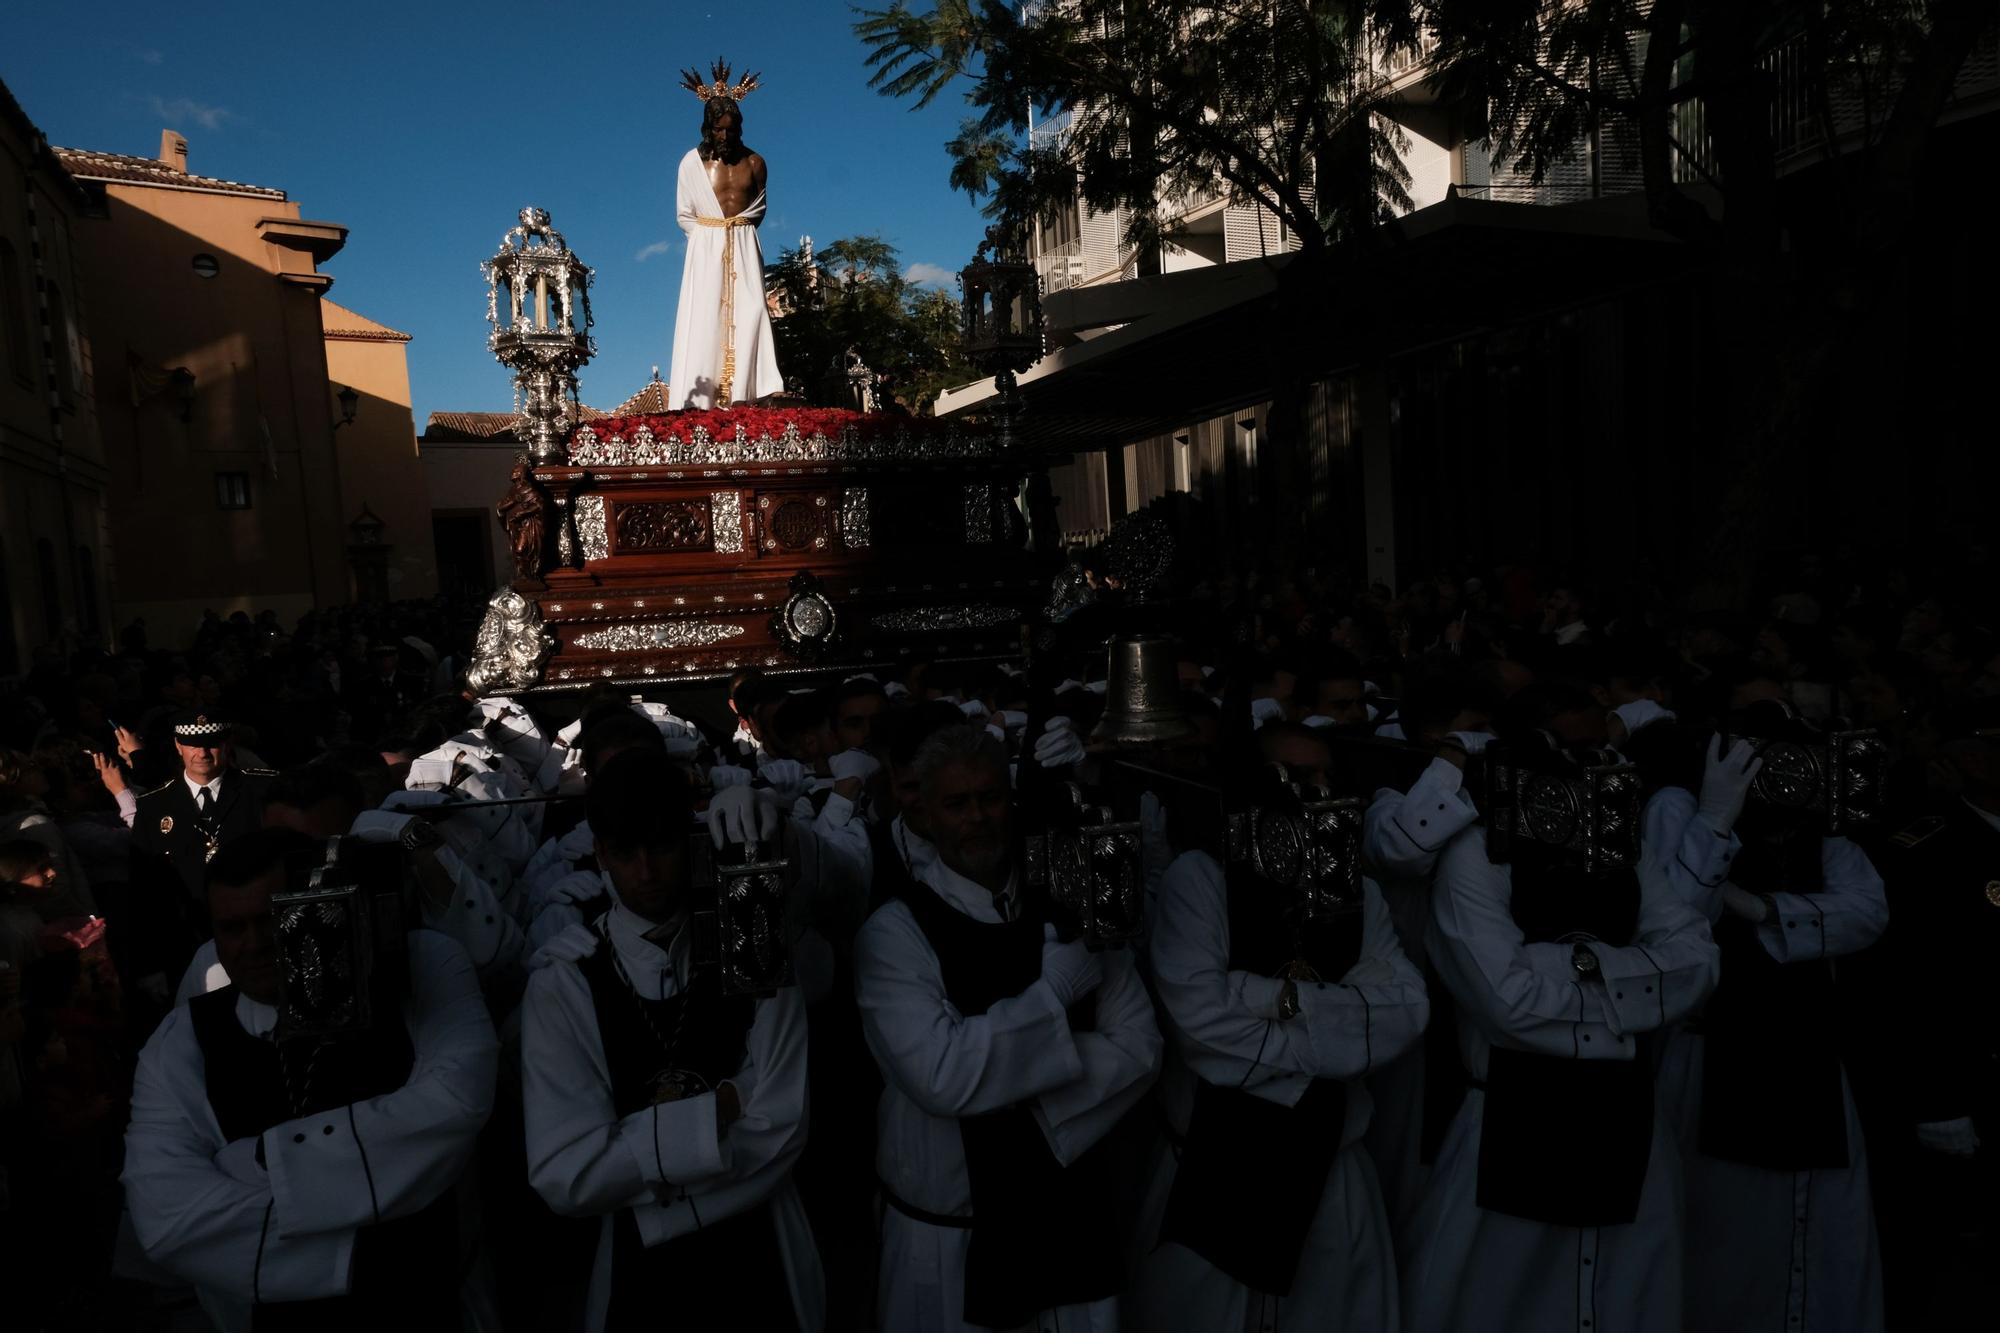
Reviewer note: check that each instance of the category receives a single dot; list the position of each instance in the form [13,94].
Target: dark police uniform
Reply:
[172,827]
[172,841]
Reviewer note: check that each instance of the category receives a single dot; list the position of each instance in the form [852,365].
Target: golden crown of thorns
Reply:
[721,87]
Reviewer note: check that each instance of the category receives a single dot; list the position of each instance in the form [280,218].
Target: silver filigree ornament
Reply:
[542,333]
[854,518]
[727,507]
[928,619]
[645,449]
[590,532]
[638,638]
[978,514]
[511,646]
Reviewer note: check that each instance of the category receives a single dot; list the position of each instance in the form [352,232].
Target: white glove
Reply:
[724,776]
[1098,686]
[1472,742]
[741,814]
[380,825]
[896,689]
[786,776]
[238,1161]
[1725,783]
[1071,970]
[1011,719]
[853,764]
[1058,746]
[578,886]
[571,944]
[1266,710]
[973,708]
[1952,1137]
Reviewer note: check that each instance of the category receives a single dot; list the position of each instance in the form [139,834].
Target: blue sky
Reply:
[425,126]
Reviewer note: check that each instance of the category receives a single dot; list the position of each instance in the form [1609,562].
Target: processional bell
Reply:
[1142,696]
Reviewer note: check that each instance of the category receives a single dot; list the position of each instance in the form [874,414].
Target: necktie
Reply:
[203,802]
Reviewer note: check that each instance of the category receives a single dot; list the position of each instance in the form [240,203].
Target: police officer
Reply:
[178,826]
[185,820]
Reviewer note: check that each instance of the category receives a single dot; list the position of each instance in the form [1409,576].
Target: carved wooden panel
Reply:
[795,522]
[664,525]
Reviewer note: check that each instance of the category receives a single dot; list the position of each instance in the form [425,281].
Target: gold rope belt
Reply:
[727,384]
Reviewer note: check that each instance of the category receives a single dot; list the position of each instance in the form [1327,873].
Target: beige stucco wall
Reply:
[261,407]
[379,466]
[472,477]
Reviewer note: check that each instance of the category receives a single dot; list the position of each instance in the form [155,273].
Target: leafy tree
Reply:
[852,295]
[1279,100]
[1793,320]
[1165,98]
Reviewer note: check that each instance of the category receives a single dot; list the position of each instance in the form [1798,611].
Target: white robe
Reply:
[666,1163]
[700,340]
[938,1064]
[1225,1031]
[286,1231]
[1795,1250]
[1470,1270]
[1401,839]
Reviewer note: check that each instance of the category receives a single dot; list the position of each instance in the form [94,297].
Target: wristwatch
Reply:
[1288,1001]
[1583,960]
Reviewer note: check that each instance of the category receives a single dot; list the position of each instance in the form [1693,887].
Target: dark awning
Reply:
[1188,346]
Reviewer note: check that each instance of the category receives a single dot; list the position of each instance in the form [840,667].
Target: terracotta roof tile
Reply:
[87,164]
[649,401]
[337,321]
[498,427]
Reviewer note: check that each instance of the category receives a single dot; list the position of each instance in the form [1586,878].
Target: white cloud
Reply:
[929,275]
[656,248]
[151,57]
[186,110]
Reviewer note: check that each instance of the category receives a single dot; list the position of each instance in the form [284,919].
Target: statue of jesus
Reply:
[722,333]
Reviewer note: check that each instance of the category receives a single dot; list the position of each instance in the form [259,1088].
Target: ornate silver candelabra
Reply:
[538,302]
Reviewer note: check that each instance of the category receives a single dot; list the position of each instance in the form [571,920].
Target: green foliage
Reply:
[1163,98]
[852,294]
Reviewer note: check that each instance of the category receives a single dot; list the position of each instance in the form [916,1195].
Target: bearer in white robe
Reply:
[1780,1223]
[1504,1239]
[723,349]
[1281,1061]
[1007,1055]
[671,1111]
[1402,836]
[269,1173]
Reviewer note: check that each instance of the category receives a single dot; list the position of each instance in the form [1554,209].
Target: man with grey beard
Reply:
[1007,1053]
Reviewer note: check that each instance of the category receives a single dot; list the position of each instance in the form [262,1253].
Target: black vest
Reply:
[1770,1056]
[891,868]
[1043,1235]
[403,1270]
[1567,1141]
[1252,1171]
[726,1273]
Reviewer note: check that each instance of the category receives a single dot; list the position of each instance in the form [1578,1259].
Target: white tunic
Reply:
[724,273]
[1470,1270]
[1225,1031]
[203,1209]
[939,1064]
[1793,1250]
[1401,838]
[666,1163]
